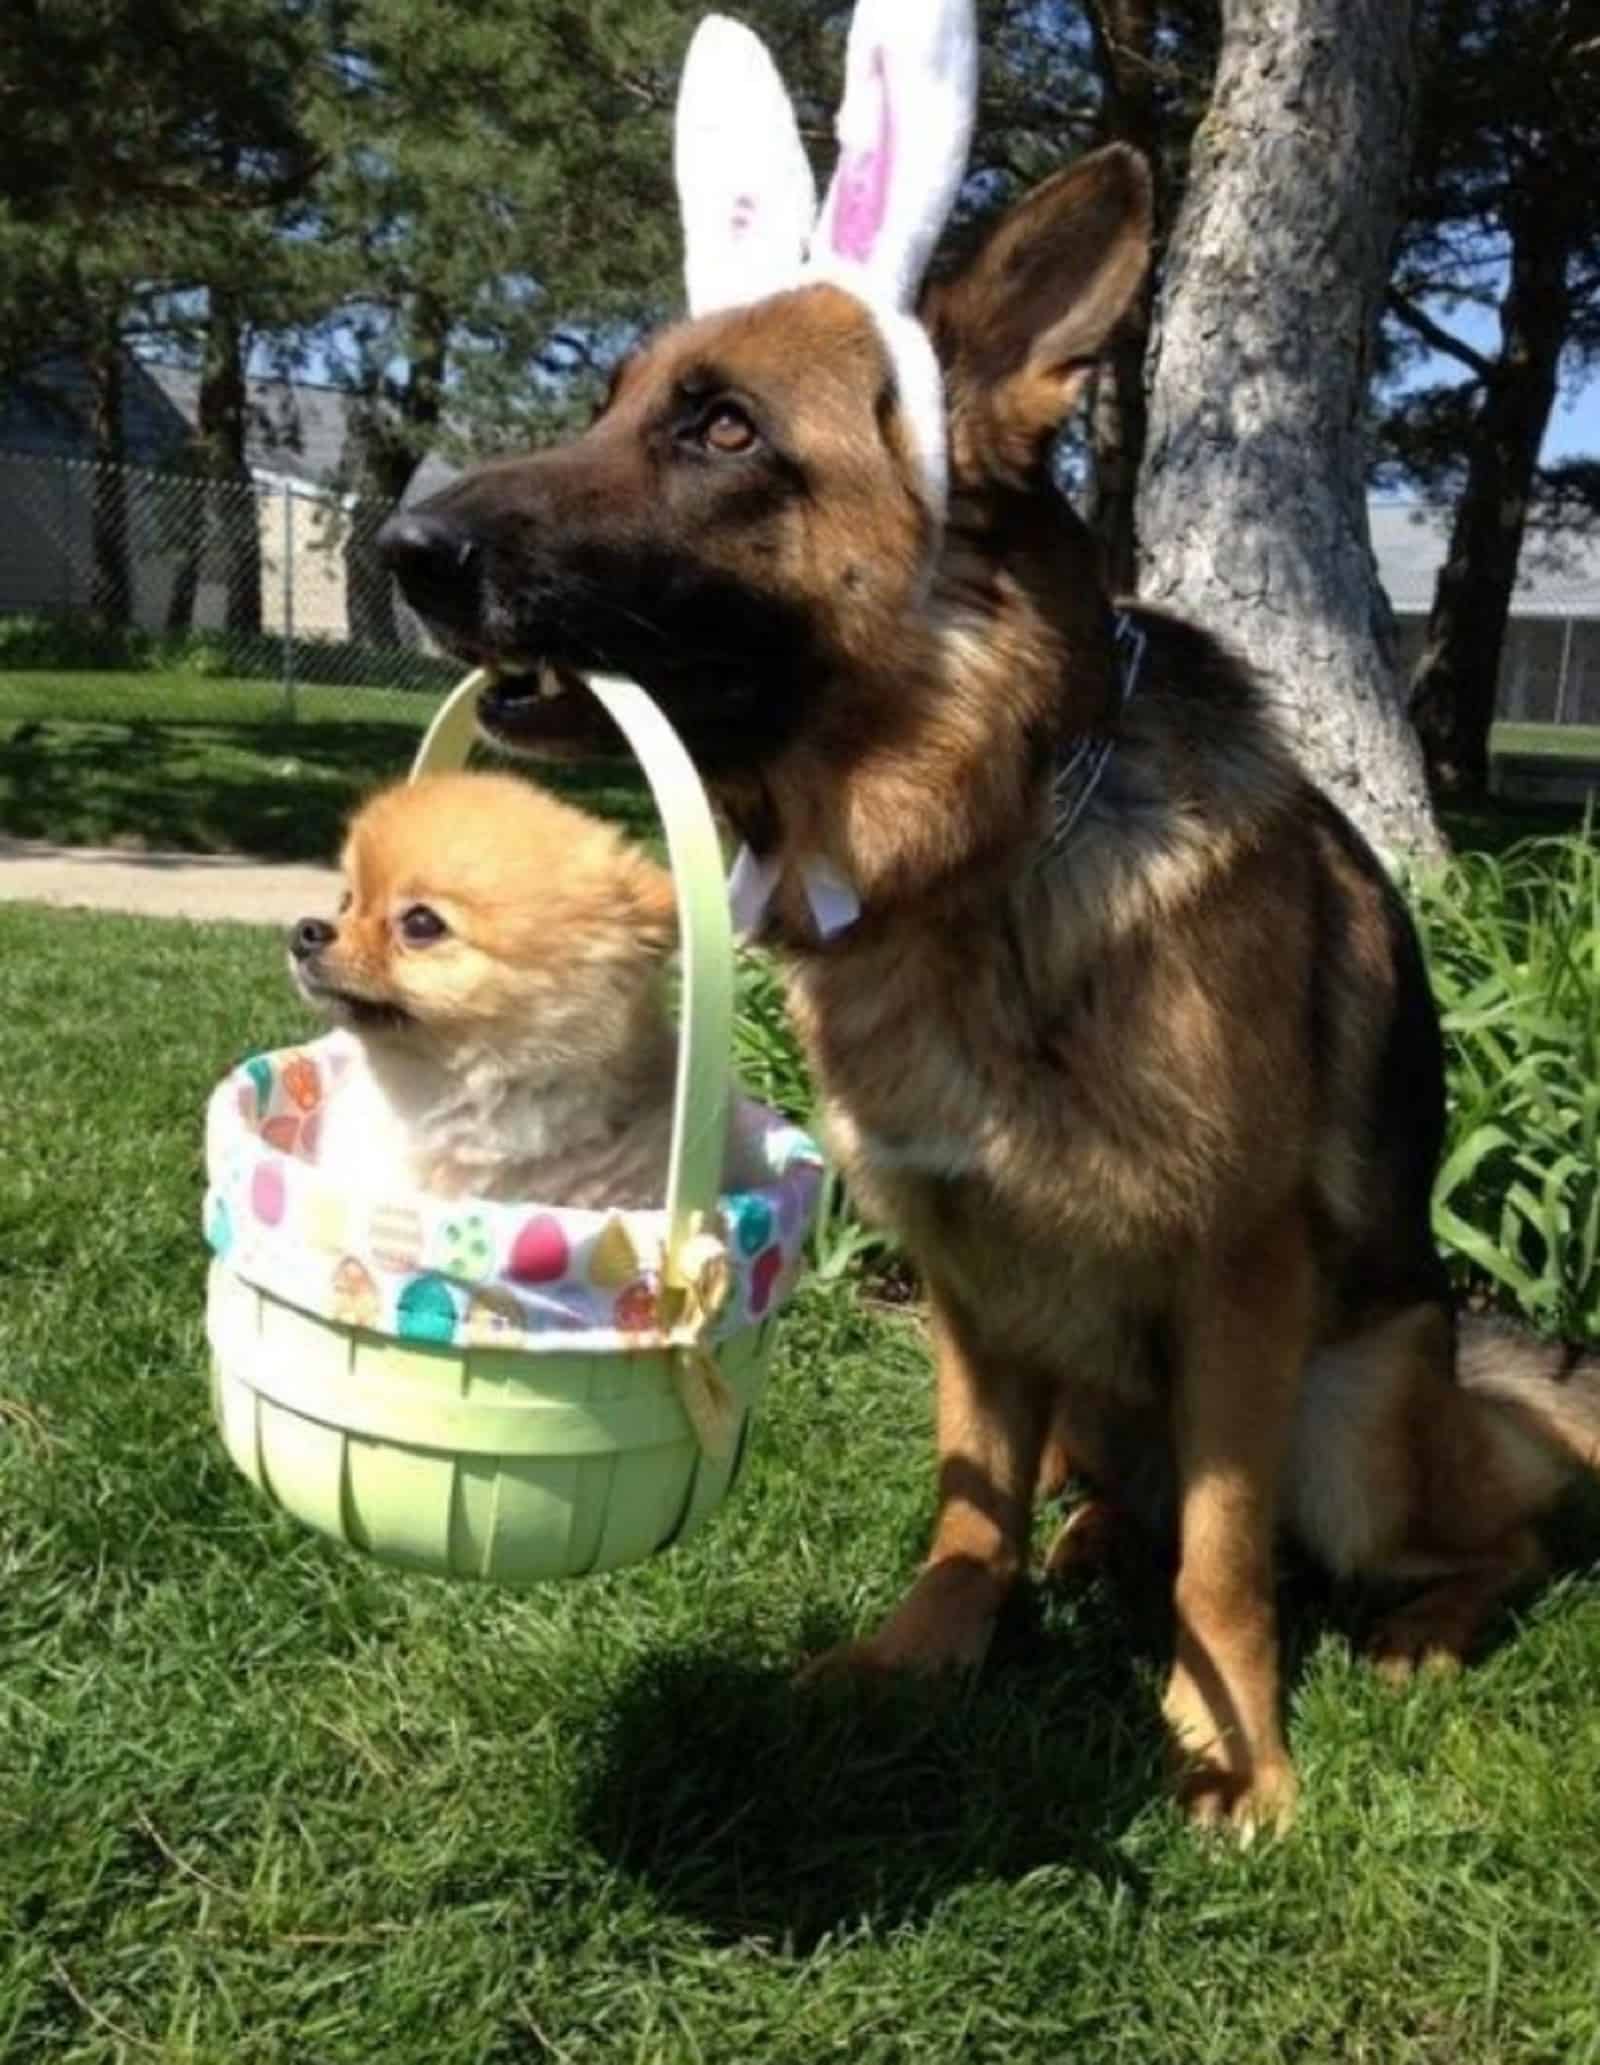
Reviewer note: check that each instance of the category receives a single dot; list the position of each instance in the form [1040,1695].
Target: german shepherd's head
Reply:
[747,528]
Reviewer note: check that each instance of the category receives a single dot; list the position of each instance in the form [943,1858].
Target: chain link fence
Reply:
[125,590]
[1549,666]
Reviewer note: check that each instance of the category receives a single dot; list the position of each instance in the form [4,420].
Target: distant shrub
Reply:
[80,644]
[77,642]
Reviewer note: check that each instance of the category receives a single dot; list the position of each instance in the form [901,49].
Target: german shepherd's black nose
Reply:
[437,563]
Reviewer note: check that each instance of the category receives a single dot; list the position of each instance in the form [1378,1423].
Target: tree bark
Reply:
[1456,682]
[389,454]
[224,421]
[384,474]
[1252,504]
[228,505]
[1124,41]
[111,584]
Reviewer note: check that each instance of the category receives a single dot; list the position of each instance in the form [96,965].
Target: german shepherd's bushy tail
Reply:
[1550,1389]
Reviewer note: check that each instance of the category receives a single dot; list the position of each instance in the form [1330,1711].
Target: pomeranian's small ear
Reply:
[905,128]
[744,184]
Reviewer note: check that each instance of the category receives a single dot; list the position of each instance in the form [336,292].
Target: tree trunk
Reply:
[1124,40]
[228,508]
[224,414]
[111,586]
[1457,679]
[388,454]
[1252,504]
[384,469]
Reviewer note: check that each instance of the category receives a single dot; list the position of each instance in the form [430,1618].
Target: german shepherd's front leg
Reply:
[1244,1322]
[992,1422]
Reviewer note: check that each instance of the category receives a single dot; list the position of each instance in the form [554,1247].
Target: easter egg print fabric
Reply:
[471,1271]
[426,1311]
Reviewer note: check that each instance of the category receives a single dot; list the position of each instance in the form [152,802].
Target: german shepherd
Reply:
[1150,1087]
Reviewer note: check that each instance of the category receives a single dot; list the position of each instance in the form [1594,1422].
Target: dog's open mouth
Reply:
[345,1007]
[366,1013]
[547,712]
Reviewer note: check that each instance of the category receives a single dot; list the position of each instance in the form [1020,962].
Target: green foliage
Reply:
[1513,946]
[772,1068]
[148,147]
[1503,216]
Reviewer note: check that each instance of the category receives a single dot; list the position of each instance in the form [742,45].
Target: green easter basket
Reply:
[506,1392]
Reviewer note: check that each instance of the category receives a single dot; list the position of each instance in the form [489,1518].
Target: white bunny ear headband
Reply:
[750,220]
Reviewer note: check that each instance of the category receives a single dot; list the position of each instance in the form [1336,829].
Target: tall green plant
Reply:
[1513,945]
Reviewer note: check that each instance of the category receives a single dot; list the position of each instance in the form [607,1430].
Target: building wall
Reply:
[47,550]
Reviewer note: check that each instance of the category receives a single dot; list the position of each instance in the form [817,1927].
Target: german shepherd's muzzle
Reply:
[678,540]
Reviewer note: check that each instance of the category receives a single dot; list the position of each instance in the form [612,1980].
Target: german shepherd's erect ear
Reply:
[1019,326]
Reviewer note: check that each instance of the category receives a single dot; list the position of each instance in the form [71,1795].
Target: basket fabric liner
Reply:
[472,1271]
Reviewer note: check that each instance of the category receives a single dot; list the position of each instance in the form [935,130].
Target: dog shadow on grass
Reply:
[760,1808]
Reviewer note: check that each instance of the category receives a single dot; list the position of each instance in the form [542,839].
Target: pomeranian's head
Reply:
[483,920]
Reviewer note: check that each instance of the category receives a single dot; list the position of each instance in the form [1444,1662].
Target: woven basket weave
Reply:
[451,1408]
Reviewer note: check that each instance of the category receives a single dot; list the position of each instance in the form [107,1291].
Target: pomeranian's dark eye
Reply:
[727,429]
[420,926]
[345,902]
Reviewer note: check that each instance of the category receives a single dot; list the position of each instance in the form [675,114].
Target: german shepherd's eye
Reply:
[726,428]
[421,926]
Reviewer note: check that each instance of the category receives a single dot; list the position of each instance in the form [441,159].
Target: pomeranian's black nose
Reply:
[309,937]
[438,564]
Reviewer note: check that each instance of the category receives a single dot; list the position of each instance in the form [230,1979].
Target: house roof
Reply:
[47,414]
[296,431]
[1559,575]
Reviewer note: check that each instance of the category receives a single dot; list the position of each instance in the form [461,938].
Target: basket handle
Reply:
[700,1114]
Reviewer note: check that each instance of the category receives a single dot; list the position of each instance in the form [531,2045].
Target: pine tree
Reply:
[1504,215]
[168,168]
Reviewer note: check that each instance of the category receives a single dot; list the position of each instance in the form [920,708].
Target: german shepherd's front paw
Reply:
[1258,1801]
[1401,1649]
[1243,1784]
[944,1623]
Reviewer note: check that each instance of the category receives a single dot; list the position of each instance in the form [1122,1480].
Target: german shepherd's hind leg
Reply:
[1244,1325]
[1435,1632]
[1524,1418]
[991,1431]
[1408,1469]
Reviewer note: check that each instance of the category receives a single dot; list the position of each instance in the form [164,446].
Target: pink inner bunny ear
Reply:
[744,187]
[865,177]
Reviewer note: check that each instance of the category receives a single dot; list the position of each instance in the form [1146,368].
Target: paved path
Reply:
[163,885]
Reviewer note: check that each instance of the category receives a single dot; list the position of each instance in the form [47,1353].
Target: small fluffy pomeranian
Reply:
[499,958]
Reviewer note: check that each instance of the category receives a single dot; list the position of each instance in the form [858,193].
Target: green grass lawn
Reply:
[263,1801]
[1549,741]
[199,765]
[195,763]
[132,695]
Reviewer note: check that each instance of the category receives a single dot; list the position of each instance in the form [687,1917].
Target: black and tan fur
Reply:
[1157,1113]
